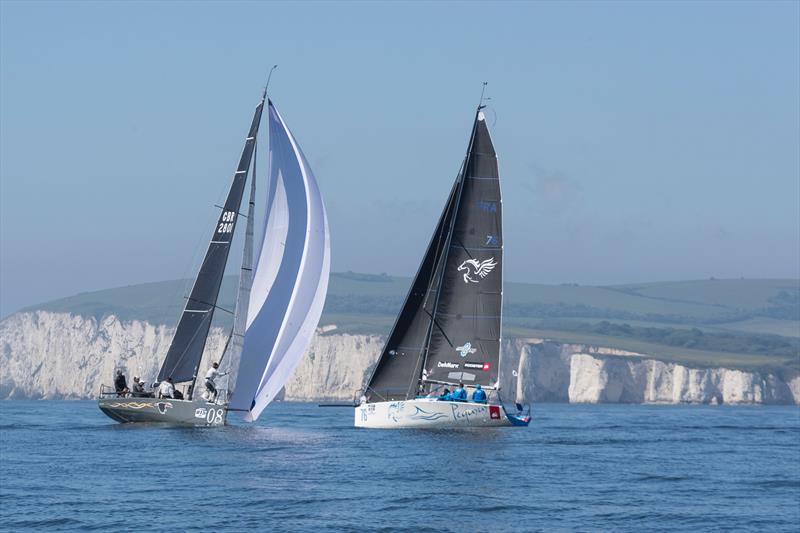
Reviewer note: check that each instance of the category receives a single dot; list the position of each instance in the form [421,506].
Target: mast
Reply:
[457,337]
[443,259]
[233,348]
[464,337]
[186,350]
[234,351]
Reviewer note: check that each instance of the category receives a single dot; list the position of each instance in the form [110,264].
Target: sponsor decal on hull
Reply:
[447,364]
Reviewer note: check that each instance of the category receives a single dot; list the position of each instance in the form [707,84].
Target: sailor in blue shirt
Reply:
[459,395]
[479,395]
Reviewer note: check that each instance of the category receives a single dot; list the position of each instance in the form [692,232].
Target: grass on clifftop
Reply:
[745,323]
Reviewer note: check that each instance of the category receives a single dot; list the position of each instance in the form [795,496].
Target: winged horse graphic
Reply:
[478,269]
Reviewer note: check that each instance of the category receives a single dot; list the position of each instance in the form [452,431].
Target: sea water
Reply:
[64,466]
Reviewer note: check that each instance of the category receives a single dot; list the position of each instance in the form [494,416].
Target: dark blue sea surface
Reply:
[66,467]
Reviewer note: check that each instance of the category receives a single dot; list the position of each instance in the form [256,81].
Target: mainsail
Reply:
[186,350]
[449,328]
[290,280]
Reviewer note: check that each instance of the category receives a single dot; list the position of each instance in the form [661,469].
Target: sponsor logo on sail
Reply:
[447,364]
[465,350]
[475,270]
[489,207]
[480,366]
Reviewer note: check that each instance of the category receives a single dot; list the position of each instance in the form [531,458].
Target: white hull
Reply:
[429,413]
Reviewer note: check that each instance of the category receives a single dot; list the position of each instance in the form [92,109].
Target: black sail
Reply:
[464,342]
[449,327]
[399,366]
[186,350]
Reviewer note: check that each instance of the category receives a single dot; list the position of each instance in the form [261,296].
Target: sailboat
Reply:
[448,331]
[281,293]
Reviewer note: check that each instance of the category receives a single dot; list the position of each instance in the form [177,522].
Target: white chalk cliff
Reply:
[59,355]
[577,373]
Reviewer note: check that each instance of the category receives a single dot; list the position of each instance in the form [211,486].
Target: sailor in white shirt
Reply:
[211,386]
[166,389]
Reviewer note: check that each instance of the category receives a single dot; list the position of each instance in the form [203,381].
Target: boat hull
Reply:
[168,411]
[430,413]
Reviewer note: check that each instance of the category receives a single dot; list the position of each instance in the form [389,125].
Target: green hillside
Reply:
[744,323]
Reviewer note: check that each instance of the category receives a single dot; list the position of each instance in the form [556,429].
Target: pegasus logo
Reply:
[472,269]
[465,350]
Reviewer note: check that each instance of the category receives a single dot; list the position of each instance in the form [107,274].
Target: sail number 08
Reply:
[226,222]
[214,416]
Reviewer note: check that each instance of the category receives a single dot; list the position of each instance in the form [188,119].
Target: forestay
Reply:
[290,280]
[399,366]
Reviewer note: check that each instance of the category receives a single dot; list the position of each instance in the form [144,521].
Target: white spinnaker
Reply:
[290,281]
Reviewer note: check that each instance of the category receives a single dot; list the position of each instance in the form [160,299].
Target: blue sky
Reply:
[638,141]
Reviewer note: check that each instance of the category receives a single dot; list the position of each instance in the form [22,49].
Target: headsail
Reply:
[400,363]
[186,350]
[449,326]
[290,280]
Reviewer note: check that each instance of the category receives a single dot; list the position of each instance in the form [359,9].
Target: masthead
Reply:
[269,77]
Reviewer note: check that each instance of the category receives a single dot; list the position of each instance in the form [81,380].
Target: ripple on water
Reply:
[65,467]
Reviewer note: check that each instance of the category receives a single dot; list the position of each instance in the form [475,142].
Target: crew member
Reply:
[479,395]
[211,386]
[166,389]
[446,395]
[137,389]
[120,384]
[460,394]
